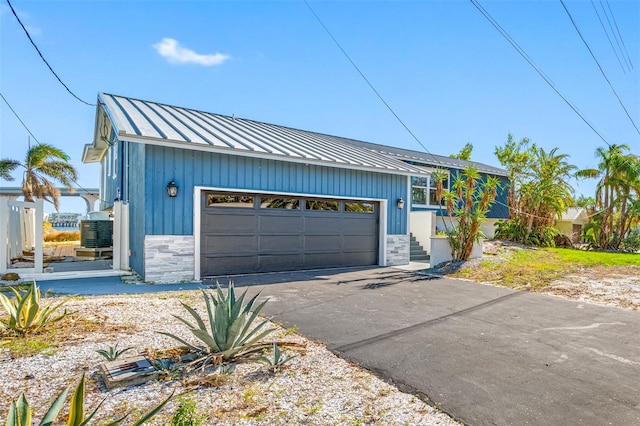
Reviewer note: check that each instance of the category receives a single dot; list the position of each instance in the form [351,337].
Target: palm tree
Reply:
[549,193]
[539,190]
[6,167]
[43,165]
[617,192]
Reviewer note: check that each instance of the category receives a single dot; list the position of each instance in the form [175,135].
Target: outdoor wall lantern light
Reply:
[400,203]
[172,189]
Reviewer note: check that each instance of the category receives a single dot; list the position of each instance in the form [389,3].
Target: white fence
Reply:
[20,230]
[120,236]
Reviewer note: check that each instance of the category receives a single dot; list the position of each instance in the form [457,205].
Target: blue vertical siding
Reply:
[174,216]
[112,187]
[136,192]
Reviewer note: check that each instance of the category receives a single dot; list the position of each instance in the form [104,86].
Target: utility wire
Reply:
[42,57]
[18,117]
[615,37]
[522,53]
[368,82]
[86,191]
[599,66]
[619,34]
[608,38]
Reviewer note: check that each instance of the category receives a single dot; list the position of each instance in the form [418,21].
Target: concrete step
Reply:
[416,251]
[419,257]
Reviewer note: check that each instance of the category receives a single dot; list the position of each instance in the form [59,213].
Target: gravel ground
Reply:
[315,388]
[618,287]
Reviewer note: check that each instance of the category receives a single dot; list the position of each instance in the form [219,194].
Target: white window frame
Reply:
[114,158]
[428,188]
[109,161]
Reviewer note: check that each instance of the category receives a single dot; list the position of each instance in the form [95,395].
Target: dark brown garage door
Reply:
[245,233]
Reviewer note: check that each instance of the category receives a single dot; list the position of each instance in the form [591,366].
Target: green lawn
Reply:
[593,258]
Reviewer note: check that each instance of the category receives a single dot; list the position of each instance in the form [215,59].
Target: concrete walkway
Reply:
[485,355]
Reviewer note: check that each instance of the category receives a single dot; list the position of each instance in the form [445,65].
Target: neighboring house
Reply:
[255,197]
[571,223]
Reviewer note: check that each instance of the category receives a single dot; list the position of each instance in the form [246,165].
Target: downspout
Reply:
[125,174]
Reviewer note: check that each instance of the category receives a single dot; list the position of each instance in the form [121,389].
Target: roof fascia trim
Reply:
[230,151]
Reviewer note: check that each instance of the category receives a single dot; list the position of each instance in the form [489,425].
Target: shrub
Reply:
[514,230]
[469,200]
[230,332]
[26,314]
[187,414]
[277,361]
[61,236]
[112,353]
[632,242]
[21,414]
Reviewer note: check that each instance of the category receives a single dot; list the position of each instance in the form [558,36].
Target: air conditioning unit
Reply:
[96,233]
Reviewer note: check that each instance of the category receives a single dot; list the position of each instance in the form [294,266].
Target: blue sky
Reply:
[443,68]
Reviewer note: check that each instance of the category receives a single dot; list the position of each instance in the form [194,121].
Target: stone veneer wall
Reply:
[397,250]
[169,258]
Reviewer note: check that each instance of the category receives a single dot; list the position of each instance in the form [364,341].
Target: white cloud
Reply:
[24,17]
[33,31]
[176,54]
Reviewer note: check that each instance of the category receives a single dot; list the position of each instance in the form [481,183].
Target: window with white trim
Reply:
[109,161]
[114,167]
[423,191]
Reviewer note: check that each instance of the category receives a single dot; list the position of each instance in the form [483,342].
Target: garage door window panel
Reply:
[280,203]
[226,200]
[358,207]
[322,205]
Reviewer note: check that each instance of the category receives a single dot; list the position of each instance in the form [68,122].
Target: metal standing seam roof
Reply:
[428,158]
[150,122]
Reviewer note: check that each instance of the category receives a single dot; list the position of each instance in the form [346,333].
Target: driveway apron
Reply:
[485,355]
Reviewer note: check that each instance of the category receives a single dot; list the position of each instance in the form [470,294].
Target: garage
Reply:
[247,233]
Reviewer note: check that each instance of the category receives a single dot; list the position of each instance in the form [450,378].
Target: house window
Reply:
[419,190]
[423,190]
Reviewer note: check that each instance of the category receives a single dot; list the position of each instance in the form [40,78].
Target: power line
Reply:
[522,53]
[599,66]
[615,37]
[608,38]
[619,34]
[42,57]
[18,117]
[368,82]
[36,139]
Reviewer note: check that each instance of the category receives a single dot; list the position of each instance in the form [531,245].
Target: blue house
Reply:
[208,194]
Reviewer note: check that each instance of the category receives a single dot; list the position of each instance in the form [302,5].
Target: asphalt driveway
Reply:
[485,355]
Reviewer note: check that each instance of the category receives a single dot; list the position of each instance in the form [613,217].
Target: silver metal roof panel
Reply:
[150,122]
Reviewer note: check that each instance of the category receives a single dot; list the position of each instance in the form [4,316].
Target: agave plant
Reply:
[278,360]
[26,313]
[112,353]
[21,414]
[230,333]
